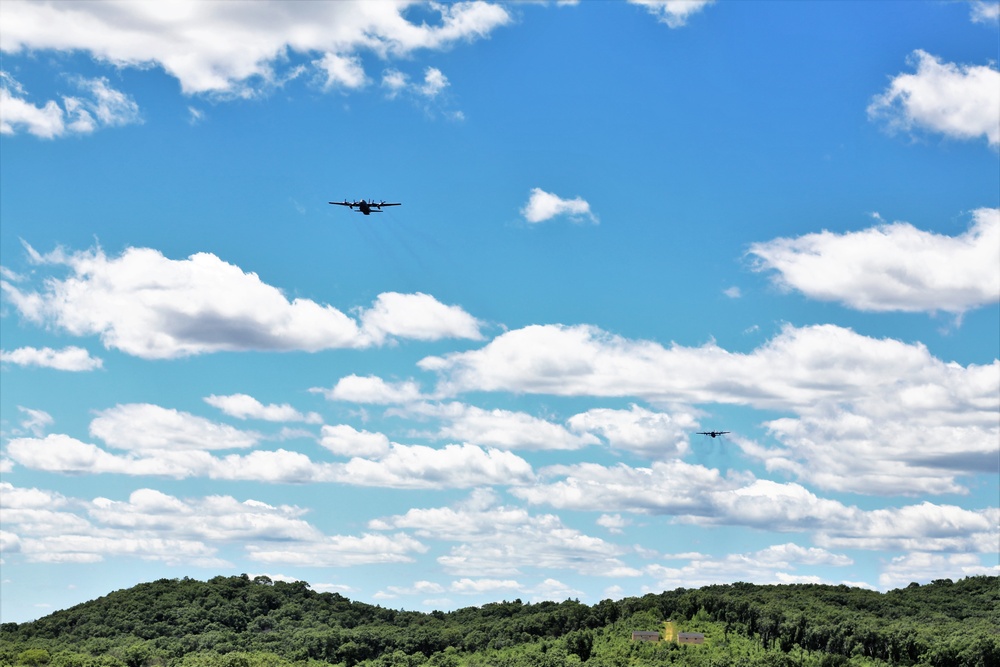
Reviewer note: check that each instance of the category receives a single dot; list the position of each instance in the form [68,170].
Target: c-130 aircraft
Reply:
[366,207]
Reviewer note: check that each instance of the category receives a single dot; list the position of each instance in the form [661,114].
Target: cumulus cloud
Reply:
[499,541]
[143,426]
[237,50]
[416,316]
[925,567]
[342,551]
[67,359]
[149,306]
[544,206]
[674,13]
[152,525]
[697,495]
[243,406]
[100,106]
[168,443]
[452,466]
[774,565]
[892,267]
[651,434]
[959,101]
[345,440]
[50,528]
[504,429]
[833,381]
[371,389]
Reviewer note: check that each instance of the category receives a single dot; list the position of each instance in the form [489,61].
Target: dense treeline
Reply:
[239,622]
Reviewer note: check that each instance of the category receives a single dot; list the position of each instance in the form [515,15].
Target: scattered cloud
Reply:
[100,106]
[843,390]
[654,435]
[675,13]
[243,406]
[371,389]
[917,566]
[34,422]
[892,267]
[503,429]
[67,359]
[959,101]
[543,206]
[147,427]
[149,306]
[498,541]
[345,440]
[984,11]
[773,565]
[229,50]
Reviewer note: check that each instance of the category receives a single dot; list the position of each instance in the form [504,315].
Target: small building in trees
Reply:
[645,636]
[690,638]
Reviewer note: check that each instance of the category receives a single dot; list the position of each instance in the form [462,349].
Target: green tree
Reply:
[33,657]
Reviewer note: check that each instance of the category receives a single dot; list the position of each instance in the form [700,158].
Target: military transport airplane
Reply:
[366,207]
[712,434]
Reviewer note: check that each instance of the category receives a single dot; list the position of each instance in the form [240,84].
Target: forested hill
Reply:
[243,622]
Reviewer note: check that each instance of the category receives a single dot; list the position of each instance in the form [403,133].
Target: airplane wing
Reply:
[343,203]
[396,204]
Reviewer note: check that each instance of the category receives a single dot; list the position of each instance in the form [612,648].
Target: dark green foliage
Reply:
[239,622]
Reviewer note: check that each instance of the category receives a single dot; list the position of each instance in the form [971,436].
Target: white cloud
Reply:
[341,551]
[153,307]
[67,359]
[892,267]
[925,527]
[767,566]
[102,106]
[417,316]
[499,541]
[468,586]
[674,13]
[697,495]
[162,442]
[209,519]
[143,426]
[47,527]
[984,11]
[345,440]
[243,406]
[50,528]
[345,71]
[923,567]
[371,389]
[554,590]
[960,101]
[505,429]
[544,206]
[615,523]
[656,435]
[942,416]
[452,466]
[434,82]
[35,421]
[238,48]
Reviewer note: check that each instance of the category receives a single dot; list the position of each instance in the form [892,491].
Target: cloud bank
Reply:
[149,306]
[892,267]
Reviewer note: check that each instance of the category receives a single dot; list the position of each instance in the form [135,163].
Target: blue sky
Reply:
[621,224]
